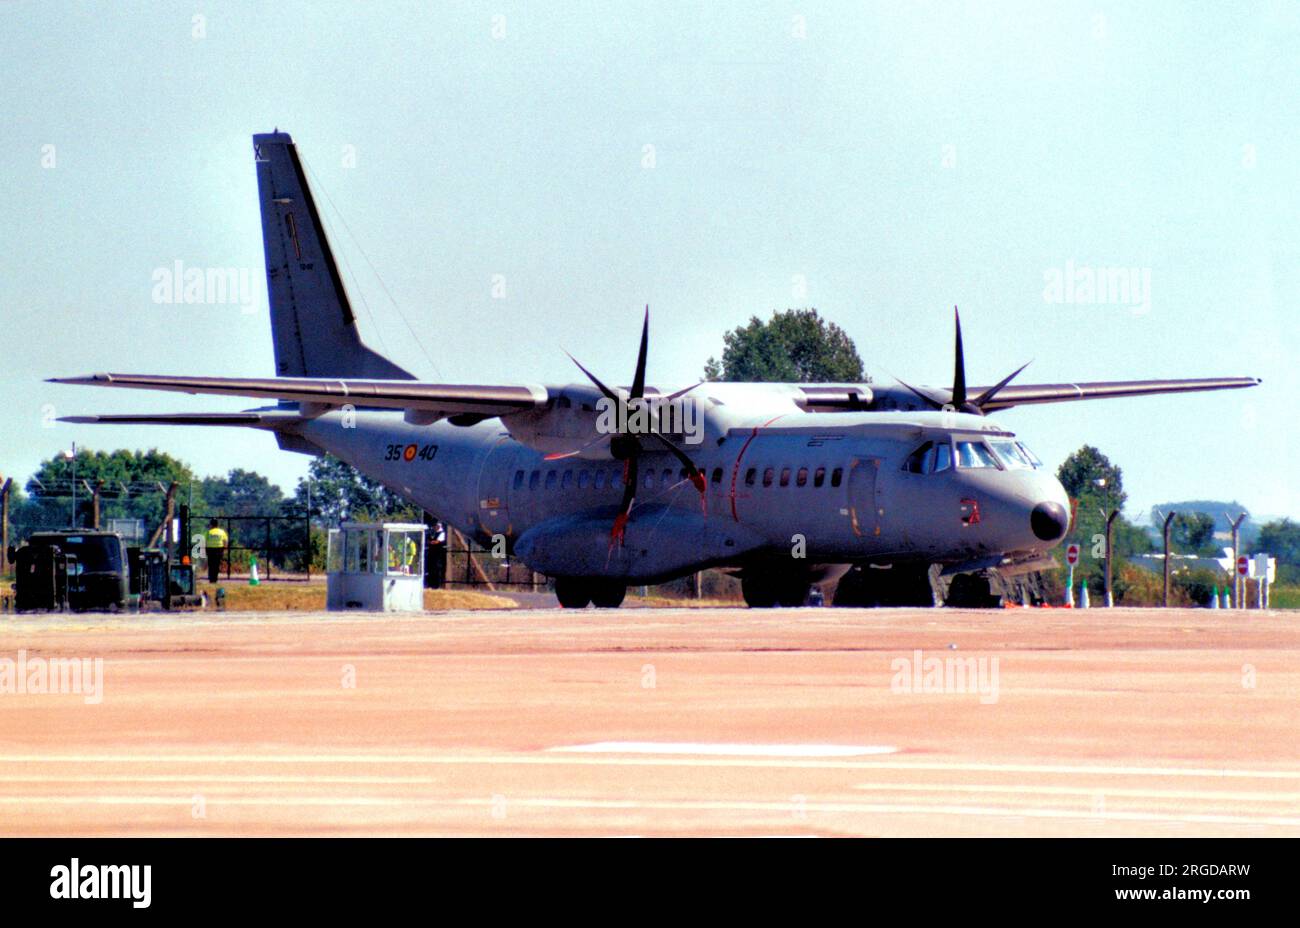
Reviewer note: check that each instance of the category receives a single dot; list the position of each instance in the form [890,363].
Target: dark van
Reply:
[96,566]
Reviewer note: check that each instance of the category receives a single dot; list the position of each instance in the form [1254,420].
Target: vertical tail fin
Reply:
[312,322]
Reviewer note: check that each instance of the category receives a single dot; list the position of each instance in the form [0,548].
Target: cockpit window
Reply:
[930,458]
[1033,458]
[1011,455]
[974,454]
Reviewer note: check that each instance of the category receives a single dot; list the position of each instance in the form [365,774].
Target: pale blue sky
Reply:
[1157,136]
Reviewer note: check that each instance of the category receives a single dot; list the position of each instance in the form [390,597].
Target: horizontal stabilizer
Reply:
[431,400]
[247,419]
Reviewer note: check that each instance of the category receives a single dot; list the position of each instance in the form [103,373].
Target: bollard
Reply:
[1083,597]
[253,579]
[1214,599]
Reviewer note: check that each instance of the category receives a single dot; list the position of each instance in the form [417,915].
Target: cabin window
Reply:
[648,481]
[837,476]
[519,480]
[819,476]
[785,476]
[768,475]
[584,478]
[801,478]
[534,479]
[974,454]
[550,479]
[567,480]
[600,480]
[717,476]
[666,479]
[749,477]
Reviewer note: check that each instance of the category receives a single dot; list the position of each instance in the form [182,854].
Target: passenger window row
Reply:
[601,478]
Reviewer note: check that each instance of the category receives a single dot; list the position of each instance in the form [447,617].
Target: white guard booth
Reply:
[376,566]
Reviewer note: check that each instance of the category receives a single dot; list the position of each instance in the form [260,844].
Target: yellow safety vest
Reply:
[217,538]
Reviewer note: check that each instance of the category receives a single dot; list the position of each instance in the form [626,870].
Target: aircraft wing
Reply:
[431,401]
[1031,393]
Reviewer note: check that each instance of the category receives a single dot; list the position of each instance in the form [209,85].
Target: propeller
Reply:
[959,400]
[628,447]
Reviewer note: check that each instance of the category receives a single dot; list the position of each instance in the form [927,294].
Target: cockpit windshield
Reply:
[975,454]
[1033,458]
[1012,455]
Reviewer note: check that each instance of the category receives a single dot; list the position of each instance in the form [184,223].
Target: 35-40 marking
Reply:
[411,452]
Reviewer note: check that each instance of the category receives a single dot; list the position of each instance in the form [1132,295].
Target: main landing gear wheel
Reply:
[607,594]
[572,592]
[792,592]
[759,592]
[763,591]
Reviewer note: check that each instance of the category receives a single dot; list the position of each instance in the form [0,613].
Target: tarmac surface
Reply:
[655,722]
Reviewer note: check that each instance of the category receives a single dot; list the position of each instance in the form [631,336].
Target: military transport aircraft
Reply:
[782,484]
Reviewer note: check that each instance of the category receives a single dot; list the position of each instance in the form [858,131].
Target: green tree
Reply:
[241,493]
[1089,474]
[1192,532]
[1096,486]
[1281,539]
[794,346]
[340,492]
[133,486]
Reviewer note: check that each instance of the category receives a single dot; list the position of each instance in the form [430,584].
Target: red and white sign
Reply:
[1072,554]
[1243,566]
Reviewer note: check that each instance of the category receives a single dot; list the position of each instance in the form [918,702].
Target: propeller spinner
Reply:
[959,401]
[627,446]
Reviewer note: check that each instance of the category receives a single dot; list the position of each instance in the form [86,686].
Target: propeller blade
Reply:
[692,471]
[610,394]
[959,368]
[638,380]
[560,455]
[922,395]
[682,392]
[993,390]
[630,475]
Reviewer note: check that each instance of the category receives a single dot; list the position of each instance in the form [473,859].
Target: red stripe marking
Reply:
[735,468]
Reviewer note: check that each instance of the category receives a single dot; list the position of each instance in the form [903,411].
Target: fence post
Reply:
[1110,556]
[4,523]
[1169,521]
[95,492]
[1238,582]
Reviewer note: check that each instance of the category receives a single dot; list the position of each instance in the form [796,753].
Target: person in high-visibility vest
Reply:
[402,553]
[215,543]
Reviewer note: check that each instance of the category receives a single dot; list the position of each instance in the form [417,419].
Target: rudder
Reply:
[312,323]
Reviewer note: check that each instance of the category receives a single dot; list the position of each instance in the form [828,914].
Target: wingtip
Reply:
[81,379]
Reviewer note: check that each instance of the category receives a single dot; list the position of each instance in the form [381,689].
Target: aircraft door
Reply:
[863,510]
[494,479]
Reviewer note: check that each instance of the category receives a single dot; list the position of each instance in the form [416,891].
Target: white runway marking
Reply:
[727,750]
[642,805]
[646,761]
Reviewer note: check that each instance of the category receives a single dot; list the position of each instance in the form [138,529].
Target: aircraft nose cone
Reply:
[1049,521]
